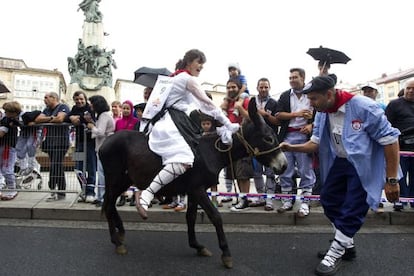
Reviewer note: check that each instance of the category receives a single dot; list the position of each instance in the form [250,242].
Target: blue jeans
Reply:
[303,161]
[91,165]
[263,187]
[7,166]
[407,167]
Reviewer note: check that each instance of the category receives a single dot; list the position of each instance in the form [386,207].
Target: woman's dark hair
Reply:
[189,57]
[99,103]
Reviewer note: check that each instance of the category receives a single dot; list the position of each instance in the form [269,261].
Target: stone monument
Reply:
[91,68]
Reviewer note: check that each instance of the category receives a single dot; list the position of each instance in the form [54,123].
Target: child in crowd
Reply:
[8,137]
[30,137]
[208,126]
[139,109]
[235,73]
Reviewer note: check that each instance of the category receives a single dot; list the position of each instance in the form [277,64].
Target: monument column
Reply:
[91,68]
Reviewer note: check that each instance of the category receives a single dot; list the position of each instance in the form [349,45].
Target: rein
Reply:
[250,150]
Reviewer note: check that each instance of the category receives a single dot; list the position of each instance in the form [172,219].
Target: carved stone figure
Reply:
[91,62]
[91,67]
[91,11]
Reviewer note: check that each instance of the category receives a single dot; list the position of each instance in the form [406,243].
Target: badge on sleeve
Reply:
[357,124]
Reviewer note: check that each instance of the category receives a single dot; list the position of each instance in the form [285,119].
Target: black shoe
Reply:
[324,270]
[243,205]
[98,204]
[122,201]
[132,201]
[166,200]
[398,206]
[350,254]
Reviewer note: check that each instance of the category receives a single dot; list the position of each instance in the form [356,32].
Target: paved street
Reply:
[83,248]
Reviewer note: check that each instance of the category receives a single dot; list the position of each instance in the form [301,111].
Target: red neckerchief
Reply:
[180,71]
[342,97]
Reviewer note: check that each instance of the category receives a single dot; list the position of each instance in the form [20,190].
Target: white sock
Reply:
[337,249]
[165,176]
[346,241]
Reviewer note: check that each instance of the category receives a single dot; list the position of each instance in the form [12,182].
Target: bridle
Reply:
[253,152]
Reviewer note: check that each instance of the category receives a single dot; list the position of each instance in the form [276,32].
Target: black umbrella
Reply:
[328,56]
[147,76]
[3,88]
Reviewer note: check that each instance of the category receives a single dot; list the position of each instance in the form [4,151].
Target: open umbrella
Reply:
[328,56]
[147,76]
[3,88]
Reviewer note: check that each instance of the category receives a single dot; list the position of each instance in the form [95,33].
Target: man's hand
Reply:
[392,192]
[75,119]
[307,129]
[284,146]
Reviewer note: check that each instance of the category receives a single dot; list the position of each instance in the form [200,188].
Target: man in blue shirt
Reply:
[359,152]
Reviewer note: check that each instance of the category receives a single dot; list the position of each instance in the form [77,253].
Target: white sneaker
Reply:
[9,195]
[287,206]
[303,210]
[51,197]
[90,199]
[243,205]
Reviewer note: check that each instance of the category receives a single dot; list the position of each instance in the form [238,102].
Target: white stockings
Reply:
[165,176]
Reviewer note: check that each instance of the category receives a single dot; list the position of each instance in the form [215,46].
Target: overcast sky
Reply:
[266,38]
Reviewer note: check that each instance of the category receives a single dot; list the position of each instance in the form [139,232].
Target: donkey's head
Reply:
[261,142]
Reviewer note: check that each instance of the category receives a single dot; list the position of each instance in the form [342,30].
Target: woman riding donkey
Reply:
[174,135]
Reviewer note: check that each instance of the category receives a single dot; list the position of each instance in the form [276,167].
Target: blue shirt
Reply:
[365,133]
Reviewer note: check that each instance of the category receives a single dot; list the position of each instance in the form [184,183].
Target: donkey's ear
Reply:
[255,117]
[252,109]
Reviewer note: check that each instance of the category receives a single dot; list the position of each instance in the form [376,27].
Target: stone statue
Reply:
[91,62]
[91,11]
[91,67]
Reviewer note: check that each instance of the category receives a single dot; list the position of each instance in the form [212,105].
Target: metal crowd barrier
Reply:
[299,197]
[55,159]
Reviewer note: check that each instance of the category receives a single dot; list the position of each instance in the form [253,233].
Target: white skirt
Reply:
[166,141]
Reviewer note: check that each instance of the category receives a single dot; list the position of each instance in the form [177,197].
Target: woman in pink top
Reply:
[127,121]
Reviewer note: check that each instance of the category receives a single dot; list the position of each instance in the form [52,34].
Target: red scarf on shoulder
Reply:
[179,71]
[342,97]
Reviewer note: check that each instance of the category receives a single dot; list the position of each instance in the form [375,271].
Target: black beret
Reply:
[319,84]
[140,106]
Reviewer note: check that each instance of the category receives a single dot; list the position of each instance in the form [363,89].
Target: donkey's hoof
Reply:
[121,250]
[204,252]
[227,261]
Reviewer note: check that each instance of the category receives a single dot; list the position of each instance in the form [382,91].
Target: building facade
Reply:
[28,85]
